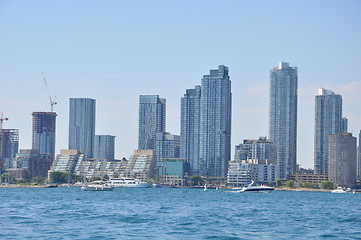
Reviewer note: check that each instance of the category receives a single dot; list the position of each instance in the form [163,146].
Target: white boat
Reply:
[128,183]
[256,189]
[96,186]
[338,190]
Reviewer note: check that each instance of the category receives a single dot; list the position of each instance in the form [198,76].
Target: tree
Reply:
[279,183]
[290,183]
[5,177]
[58,177]
[307,185]
[92,179]
[197,180]
[327,185]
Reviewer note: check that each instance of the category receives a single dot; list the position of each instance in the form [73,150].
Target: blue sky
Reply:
[114,51]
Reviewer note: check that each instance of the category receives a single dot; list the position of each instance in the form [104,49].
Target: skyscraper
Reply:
[328,121]
[82,125]
[9,145]
[104,147]
[152,115]
[167,146]
[44,125]
[359,156]
[215,123]
[261,150]
[343,157]
[344,125]
[283,116]
[190,124]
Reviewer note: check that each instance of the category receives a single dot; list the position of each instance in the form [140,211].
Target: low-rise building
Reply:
[141,165]
[74,161]
[173,171]
[311,178]
[243,173]
[34,163]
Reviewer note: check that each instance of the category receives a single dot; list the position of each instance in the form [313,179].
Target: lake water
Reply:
[164,213]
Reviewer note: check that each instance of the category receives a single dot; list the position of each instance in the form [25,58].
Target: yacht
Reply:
[338,190]
[253,188]
[96,186]
[128,183]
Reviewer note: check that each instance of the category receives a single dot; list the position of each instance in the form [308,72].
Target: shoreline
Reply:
[302,189]
[28,186]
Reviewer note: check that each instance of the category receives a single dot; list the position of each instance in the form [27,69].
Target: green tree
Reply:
[58,177]
[327,185]
[290,183]
[279,183]
[308,185]
[5,177]
[95,179]
[197,180]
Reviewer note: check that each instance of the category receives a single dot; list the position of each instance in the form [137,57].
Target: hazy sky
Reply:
[113,51]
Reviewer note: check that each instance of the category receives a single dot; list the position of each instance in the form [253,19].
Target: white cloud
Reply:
[352,86]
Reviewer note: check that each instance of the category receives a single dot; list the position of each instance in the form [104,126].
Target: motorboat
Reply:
[256,189]
[96,186]
[128,183]
[338,190]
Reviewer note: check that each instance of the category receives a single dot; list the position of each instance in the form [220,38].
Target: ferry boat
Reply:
[128,183]
[96,186]
[252,188]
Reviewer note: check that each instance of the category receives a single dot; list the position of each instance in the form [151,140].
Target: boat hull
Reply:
[96,188]
[257,190]
[140,185]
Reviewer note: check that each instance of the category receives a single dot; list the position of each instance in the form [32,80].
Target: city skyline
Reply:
[165,53]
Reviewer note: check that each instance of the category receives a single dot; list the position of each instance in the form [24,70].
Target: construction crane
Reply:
[2,119]
[52,100]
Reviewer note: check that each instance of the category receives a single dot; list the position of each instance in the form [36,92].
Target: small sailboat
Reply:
[205,187]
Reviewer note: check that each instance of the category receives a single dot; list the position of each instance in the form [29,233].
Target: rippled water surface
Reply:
[68,213]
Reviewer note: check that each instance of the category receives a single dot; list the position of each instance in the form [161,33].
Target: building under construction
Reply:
[9,146]
[44,126]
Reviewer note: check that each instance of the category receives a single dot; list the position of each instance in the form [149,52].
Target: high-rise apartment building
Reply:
[259,150]
[359,157]
[190,127]
[215,123]
[167,146]
[44,126]
[9,146]
[328,121]
[152,116]
[344,125]
[34,163]
[343,158]
[283,116]
[82,125]
[104,147]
